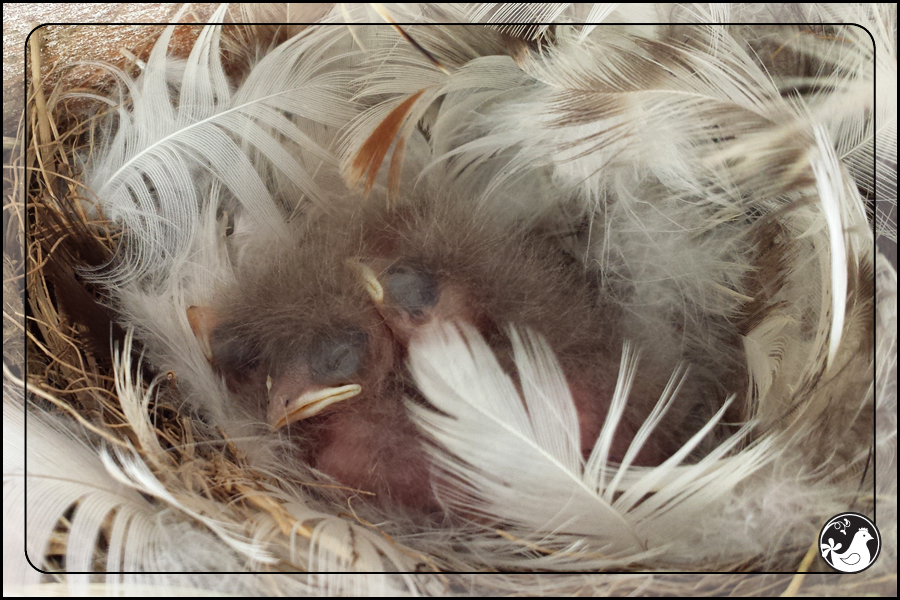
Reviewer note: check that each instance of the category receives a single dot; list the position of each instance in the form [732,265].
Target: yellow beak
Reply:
[308,404]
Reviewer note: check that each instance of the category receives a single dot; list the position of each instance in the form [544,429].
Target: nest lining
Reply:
[191,458]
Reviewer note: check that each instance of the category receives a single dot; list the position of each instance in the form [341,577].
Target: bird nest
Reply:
[197,500]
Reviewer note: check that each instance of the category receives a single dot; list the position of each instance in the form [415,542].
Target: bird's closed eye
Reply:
[233,355]
[337,355]
[409,288]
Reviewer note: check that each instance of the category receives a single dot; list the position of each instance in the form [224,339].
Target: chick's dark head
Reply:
[297,333]
[446,261]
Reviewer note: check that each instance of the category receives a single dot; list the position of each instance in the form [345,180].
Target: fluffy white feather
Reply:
[514,458]
[65,471]
[152,173]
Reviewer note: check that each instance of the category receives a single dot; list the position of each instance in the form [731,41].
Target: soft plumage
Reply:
[314,338]
[712,205]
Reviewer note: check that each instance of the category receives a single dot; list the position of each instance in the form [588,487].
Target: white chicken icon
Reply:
[853,559]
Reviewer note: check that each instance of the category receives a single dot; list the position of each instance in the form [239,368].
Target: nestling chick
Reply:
[315,340]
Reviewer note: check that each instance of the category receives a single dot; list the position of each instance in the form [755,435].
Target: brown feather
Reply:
[367,161]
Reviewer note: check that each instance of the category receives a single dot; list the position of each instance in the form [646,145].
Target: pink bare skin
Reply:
[592,399]
[370,445]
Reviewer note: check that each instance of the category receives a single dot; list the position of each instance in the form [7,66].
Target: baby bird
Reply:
[428,263]
[314,339]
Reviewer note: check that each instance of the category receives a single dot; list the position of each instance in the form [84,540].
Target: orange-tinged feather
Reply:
[368,159]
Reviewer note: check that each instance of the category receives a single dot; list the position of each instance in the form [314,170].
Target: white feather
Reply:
[531,442]
[153,170]
[66,472]
[826,169]
[515,458]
